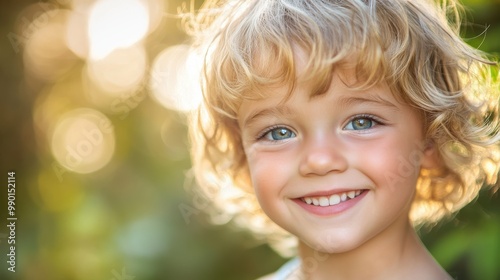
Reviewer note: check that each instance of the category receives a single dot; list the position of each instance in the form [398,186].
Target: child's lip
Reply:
[334,208]
[330,200]
[331,192]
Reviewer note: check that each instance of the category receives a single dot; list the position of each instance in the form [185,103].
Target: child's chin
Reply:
[330,245]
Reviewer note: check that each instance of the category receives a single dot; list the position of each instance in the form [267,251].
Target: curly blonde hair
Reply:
[413,45]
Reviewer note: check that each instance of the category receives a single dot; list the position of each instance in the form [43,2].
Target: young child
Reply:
[345,124]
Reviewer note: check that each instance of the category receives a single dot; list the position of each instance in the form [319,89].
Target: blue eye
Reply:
[279,133]
[360,123]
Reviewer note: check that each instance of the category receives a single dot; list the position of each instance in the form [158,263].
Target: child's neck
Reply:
[391,255]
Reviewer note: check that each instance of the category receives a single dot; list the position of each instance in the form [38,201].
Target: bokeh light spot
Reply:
[116,24]
[122,70]
[83,140]
[175,77]
[46,55]
[76,34]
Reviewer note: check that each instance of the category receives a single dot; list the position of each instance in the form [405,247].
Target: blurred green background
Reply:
[93,128]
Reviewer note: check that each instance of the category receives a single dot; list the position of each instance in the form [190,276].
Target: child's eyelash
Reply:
[269,129]
[367,116]
[363,123]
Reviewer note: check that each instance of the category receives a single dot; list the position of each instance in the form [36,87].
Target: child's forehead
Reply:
[307,74]
[342,86]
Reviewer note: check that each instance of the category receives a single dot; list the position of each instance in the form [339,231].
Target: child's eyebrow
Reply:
[346,102]
[278,111]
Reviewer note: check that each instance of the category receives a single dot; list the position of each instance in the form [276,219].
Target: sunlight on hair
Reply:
[83,140]
[491,167]
[116,24]
[123,69]
[174,78]
[428,211]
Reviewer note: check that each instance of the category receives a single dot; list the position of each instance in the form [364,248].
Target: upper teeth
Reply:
[333,199]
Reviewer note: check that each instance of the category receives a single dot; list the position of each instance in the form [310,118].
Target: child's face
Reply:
[356,153]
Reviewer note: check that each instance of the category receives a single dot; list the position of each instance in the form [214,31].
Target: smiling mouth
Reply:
[334,199]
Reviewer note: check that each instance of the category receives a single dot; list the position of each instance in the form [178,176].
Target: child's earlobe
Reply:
[430,156]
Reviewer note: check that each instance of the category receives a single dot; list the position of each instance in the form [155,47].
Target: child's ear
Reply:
[430,157]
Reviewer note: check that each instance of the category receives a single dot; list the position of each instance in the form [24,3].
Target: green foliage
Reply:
[468,246]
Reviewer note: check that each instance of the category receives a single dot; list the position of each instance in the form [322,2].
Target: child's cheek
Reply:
[396,163]
[270,172]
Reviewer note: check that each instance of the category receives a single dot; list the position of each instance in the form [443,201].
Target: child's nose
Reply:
[322,156]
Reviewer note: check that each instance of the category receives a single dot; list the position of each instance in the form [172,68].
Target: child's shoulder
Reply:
[286,270]
[268,277]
